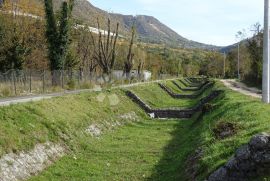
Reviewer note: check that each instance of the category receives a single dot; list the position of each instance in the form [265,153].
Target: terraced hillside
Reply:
[107,136]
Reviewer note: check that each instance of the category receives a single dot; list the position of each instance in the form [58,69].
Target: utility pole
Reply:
[178,72]
[240,36]
[224,66]
[266,55]
[238,61]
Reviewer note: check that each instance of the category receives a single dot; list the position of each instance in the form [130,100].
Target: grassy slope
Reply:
[24,125]
[139,151]
[155,97]
[249,114]
[175,89]
[148,150]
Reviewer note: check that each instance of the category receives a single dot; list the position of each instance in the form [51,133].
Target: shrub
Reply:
[71,84]
[208,107]
[5,92]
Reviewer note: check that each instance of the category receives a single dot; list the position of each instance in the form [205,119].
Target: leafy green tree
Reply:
[58,38]
[52,36]
[12,56]
[251,58]
[255,48]
[13,49]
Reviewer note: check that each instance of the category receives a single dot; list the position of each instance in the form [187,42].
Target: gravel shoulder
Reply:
[242,88]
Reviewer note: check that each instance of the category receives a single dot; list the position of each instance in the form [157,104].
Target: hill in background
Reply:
[149,29]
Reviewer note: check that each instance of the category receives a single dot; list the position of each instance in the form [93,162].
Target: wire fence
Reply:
[33,82]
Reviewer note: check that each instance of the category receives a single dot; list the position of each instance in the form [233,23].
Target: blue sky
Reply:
[207,21]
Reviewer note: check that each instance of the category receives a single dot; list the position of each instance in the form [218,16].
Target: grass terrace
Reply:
[156,97]
[176,90]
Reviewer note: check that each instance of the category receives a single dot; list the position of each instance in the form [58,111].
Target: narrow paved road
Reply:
[242,88]
[23,99]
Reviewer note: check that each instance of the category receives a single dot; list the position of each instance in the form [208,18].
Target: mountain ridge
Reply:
[149,29]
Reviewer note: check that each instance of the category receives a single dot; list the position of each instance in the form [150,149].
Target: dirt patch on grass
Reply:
[96,130]
[192,163]
[225,129]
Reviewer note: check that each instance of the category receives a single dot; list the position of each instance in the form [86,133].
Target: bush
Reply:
[71,84]
[225,129]
[208,107]
[5,92]
[86,85]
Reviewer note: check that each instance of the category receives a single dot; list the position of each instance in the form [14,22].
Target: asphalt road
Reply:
[24,99]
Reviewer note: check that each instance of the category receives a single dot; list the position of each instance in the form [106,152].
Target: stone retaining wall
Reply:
[192,86]
[197,80]
[250,162]
[190,89]
[186,96]
[173,112]
[23,165]
[193,82]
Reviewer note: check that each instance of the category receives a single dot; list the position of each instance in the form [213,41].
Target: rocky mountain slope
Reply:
[149,29]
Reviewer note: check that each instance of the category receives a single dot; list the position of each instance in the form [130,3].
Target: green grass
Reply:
[191,83]
[24,125]
[146,150]
[176,90]
[156,97]
[248,113]
[194,85]
[138,151]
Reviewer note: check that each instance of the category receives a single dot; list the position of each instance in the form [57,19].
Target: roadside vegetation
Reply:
[250,57]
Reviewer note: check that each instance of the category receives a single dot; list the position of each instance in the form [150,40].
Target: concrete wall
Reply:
[189,96]
[190,88]
[173,113]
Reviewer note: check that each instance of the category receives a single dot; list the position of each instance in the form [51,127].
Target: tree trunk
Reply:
[56,78]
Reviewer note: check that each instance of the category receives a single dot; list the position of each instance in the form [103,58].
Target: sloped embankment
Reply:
[35,135]
[175,112]
[143,149]
[250,162]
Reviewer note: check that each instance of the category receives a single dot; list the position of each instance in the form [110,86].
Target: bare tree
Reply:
[141,56]
[128,64]
[85,52]
[104,48]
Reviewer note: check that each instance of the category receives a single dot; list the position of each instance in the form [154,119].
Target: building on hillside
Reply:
[119,74]
[1,3]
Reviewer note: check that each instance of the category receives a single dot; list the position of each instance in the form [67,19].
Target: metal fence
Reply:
[32,82]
